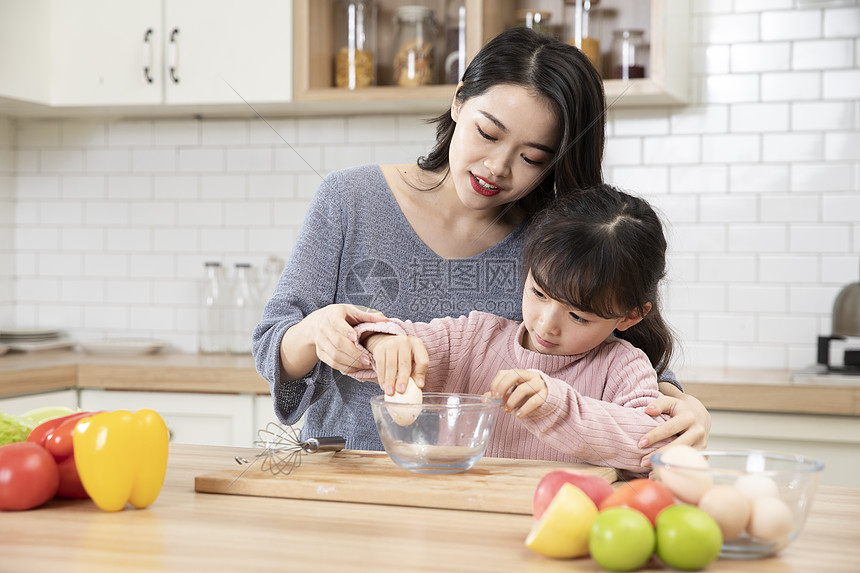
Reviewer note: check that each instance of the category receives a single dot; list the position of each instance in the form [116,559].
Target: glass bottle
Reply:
[537,20]
[211,330]
[355,55]
[245,311]
[414,41]
[455,41]
[629,54]
[585,31]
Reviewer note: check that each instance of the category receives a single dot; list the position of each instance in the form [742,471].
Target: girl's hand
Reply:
[398,357]
[329,331]
[527,390]
[690,421]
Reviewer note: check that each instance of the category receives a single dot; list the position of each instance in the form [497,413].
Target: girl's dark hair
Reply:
[603,251]
[556,71]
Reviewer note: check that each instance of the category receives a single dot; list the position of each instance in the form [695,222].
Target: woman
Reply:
[441,237]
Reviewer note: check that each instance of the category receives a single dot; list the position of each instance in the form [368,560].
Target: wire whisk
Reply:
[283,448]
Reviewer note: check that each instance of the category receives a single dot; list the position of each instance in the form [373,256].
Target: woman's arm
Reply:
[325,334]
[690,420]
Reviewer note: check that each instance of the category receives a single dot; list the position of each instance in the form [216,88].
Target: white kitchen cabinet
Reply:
[148,52]
[17,405]
[835,440]
[25,50]
[99,49]
[192,418]
[210,44]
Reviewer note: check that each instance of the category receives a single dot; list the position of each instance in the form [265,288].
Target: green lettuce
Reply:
[12,430]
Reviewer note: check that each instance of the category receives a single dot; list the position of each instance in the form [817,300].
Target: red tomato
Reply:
[28,476]
[645,495]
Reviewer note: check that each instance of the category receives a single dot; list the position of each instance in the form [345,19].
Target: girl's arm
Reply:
[424,350]
[603,431]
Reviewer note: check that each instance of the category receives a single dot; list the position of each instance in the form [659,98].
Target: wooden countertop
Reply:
[187,531]
[719,389]
[24,373]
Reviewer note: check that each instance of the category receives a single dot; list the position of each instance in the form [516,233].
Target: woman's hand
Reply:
[527,390]
[690,421]
[398,357]
[326,334]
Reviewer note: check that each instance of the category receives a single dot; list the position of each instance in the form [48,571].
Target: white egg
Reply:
[685,473]
[729,507]
[408,413]
[771,519]
[754,486]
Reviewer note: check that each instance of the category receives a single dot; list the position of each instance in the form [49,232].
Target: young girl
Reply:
[438,237]
[579,369]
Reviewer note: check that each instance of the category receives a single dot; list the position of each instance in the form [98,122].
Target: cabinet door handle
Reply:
[173,55]
[147,56]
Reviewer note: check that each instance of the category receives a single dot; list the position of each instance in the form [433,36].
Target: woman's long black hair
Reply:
[556,71]
[603,251]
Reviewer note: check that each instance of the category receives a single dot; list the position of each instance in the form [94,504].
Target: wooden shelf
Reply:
[313,51]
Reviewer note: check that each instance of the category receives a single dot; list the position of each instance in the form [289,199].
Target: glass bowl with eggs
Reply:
[760,499]
[439,433]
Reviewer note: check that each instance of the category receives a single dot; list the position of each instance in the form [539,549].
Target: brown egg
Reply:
[729,507]
[771,519]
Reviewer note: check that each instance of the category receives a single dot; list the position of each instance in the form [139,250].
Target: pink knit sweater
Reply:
[594,411]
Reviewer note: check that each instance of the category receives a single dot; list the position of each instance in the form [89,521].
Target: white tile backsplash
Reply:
[106,224]
[790,86]
[760,57]
[759,117]
[842,22]
[822,54]
[791,25]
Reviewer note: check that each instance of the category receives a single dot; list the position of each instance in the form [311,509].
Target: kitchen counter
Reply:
[719,389]
[26,373]
[188,531]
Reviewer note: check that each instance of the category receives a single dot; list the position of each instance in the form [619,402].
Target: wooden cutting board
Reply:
[493,484]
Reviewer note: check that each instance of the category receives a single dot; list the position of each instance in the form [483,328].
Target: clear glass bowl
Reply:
[795,479]
[447,433]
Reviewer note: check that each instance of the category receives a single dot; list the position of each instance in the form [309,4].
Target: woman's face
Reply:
[503,144]
[555,327]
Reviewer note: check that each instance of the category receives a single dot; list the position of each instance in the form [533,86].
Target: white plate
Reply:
[44,345]
[127,346]
[24,332]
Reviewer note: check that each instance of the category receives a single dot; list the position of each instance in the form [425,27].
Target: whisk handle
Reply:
[327,444]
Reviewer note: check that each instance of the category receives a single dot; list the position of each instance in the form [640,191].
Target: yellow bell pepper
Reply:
[121,457]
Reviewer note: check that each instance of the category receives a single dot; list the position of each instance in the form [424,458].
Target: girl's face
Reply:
[555,327]
[503,143]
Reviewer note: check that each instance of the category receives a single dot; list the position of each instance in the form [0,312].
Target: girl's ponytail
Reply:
[653,336]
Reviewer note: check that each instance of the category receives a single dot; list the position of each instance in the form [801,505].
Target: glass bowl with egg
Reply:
[760,499]
[440,434]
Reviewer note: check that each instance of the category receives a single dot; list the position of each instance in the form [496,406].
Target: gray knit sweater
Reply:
[356,246]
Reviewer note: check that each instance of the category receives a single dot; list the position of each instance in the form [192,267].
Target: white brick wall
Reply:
[104,226]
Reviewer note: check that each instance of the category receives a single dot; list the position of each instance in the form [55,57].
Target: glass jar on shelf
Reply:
[455,42]
[629,54]
[584,21]
[537,20]
[414,40]
[355,56]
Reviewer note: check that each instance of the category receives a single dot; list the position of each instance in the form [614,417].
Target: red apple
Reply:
[595,487]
